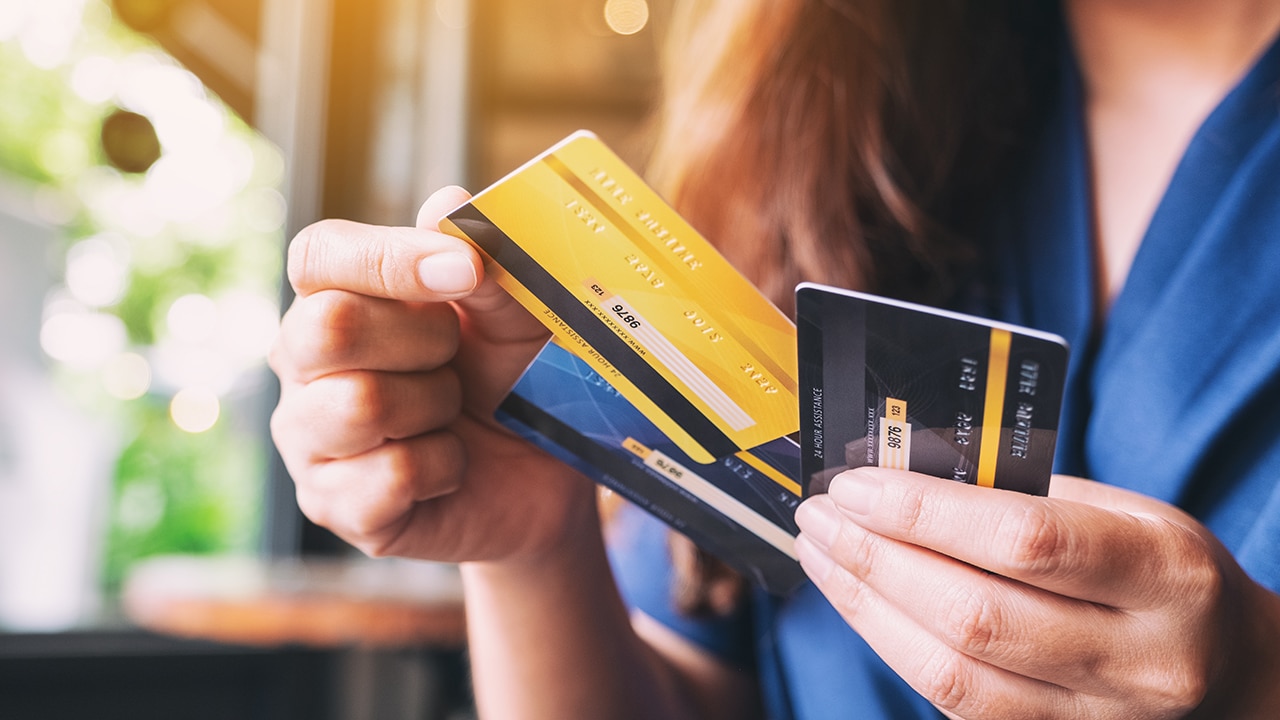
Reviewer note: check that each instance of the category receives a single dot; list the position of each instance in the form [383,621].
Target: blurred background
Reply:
[155,155]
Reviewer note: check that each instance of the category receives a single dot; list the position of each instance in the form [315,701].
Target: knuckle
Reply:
[1199,587]
[369,545]
[390,540]
[401,467]
[851,596]
[362,532]
[973,622]
[334,325]
[446,457]
[944,681]
[384,271]
[278,424]
[440,321]
[358,402]
[406,473]
[278,355]
[278,358]
[1178,686]
[306,257]
[377,272]
[1036,540]
[1200,577]
[289,439]
[367,532]
[378,548]
[313,507]
[912,517]
[860,551]
[377,534]
[1191,690]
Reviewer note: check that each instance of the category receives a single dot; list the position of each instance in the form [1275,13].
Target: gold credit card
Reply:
[627,285]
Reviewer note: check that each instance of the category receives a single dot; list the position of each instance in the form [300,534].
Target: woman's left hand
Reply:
[1094,602]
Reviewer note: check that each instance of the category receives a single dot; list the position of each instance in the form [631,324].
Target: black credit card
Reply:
[892,384]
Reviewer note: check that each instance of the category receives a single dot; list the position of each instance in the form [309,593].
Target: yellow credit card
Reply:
[626,284]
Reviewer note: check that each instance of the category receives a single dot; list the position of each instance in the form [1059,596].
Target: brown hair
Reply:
[851,142]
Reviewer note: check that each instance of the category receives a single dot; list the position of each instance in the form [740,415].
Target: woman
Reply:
[956,152]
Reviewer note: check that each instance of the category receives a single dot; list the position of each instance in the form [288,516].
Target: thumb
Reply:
[491,312]
[441,203]
[500,337]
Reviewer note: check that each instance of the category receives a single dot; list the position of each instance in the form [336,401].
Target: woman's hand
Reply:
[392,360]
[1092,603]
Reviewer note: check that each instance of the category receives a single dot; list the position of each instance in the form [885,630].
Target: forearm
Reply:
[552,639]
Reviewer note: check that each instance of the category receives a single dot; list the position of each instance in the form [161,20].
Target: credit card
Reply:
[741,508]
[897,385]
[627,285]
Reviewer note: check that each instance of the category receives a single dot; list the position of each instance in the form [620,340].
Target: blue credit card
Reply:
[740,507]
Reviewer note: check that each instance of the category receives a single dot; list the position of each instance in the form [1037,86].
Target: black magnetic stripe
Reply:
[809,375]
[485,233]
[679,275]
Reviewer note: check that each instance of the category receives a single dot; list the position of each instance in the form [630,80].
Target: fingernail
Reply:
[447,273]
[820,521]
[816,562]
[858,491]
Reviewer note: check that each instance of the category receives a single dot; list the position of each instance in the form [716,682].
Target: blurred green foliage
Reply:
[174,491]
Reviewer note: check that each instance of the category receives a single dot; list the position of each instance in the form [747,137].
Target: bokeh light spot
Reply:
[127,376]
[94,79]
[626,17]
[195,409]
[96,273]
[265,210]
[192,318]
[82,340]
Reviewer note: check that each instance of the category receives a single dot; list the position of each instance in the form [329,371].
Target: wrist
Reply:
[574,543]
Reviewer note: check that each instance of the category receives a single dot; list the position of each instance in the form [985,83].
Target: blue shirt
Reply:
[1177,396]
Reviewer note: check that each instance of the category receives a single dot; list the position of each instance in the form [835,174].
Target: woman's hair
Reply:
[850,142]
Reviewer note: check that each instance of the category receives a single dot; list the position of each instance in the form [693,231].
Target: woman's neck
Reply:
[1129,50]
[1152,71]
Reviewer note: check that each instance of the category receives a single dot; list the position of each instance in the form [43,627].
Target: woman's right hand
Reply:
[392,360]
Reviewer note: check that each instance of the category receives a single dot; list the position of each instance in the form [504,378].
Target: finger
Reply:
[997,621]
[417,264]
[500,318]
[506,486]
[349,413]
[1082,551]
[331,331]
[369,500]
[441,203]
[504,336]
[495,315]
[1099,494]
[958,684]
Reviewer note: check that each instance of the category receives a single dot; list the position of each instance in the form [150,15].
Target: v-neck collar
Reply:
[1203,173]
[1140,355]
